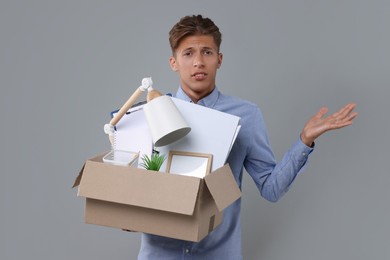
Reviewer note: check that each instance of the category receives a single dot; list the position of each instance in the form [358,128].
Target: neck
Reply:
[196,96]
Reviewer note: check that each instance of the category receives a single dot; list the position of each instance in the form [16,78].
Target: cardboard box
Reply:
[164,204]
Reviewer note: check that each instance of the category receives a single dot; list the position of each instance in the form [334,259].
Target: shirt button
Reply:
[187,251]
[304,154]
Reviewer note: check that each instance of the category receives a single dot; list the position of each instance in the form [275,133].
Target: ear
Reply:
[220,57]
[172,62]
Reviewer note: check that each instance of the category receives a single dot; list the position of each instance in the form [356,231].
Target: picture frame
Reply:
[189,163]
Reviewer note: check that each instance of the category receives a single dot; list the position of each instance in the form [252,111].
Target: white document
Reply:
[212,132]
[132,133]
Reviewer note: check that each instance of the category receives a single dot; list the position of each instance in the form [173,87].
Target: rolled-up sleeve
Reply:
[272,178]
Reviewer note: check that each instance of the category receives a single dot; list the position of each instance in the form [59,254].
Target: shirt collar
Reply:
[208,101]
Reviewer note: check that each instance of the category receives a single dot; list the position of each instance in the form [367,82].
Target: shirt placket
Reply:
[188,251]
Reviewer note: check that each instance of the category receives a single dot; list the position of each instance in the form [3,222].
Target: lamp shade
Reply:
[165,121]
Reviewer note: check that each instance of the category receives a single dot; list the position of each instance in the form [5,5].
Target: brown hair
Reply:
[193,25]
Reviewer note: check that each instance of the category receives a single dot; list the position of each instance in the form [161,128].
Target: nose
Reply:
[198,61]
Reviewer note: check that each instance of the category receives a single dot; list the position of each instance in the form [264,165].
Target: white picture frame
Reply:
[189,163]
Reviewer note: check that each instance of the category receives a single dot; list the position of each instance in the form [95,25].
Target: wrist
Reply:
[307,141]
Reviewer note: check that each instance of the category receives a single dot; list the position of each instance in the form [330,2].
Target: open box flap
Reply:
[78,179]
[137,187]
[223,187]
[79,176]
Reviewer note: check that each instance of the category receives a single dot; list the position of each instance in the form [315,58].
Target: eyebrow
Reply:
[202,49]
[188,49]
[208,48]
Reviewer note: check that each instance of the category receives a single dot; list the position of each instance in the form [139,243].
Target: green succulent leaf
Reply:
[152,163]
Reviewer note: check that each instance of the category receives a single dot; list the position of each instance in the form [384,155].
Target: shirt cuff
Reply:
[302,152]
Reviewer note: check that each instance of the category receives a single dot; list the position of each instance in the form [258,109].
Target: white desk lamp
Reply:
[165,122]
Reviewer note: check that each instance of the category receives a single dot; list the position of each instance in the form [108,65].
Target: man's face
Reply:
[196,60]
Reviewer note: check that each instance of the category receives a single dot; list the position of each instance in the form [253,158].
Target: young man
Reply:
[195,43]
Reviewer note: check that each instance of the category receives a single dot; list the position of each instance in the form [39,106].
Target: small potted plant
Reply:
[152,163]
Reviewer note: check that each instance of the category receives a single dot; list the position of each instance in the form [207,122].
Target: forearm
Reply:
[277,183]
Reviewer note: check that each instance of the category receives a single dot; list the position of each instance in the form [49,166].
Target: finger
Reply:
[321,112]
[345,111]
[348,120]
[350,117]
[340,116]
[342,124]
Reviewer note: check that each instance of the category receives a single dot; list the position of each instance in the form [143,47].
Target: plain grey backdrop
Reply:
[64,65]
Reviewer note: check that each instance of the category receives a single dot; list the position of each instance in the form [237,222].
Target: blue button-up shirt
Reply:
[250,150]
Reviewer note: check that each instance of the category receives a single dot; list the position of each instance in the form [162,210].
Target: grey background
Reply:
[65,64]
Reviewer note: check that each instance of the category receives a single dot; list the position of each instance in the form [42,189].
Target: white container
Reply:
[119,157]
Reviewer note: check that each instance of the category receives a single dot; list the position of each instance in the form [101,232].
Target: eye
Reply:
[187,53]
[208,52]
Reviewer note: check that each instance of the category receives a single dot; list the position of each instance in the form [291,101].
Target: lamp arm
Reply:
[131,101]
[146,84]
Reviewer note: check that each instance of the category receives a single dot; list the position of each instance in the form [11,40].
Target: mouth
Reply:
[199,75]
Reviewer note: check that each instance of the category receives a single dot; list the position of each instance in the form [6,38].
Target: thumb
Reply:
[321,112]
